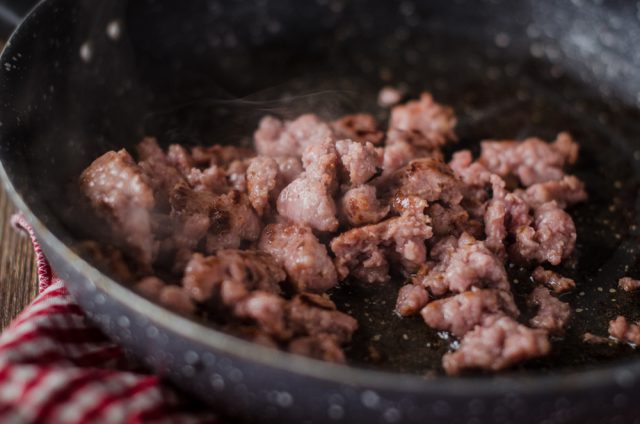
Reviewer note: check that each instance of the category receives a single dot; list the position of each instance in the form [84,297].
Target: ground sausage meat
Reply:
[495,345]
[532,160]
[629,284]
[411,299]
[301,254]
[286,138]
[120,194]
[552,315]
[459,314]
[360,206]
[360,127]
[458,265]
[552,280]
[431,122]
[256,239]
[366,252]
[624,331]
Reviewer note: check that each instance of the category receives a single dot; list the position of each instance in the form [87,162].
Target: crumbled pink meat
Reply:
[309,198]
[552,280]
[180,158]
[315,314]
[236,175]
[251,270]
[392,204]
[231,218]
[428,179]
[303,257]
[360,127]
[565,192]
[432,121]
[495,224]
[411,299]
[323,347]
[461,264]
[365,252]
[400,150]
[220,155]
[173,297]
[213,179]
[307,201]
[107,259]
[472,173]
[277,138]
[289,167]
[551,239]
[121,195]
[448,219]
[361,161]
[267,310]
[624,331]
[552,315]
[239,223]
[459,314]
[321,162]
[629,284]
[361,206]
[496,345]
[547,236]
[262,181]
[532,160]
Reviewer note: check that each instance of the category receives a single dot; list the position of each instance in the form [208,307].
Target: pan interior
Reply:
[205,73]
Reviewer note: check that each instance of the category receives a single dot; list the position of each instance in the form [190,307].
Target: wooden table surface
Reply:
[18,277]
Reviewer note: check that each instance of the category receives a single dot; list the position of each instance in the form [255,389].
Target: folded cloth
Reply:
[56,367]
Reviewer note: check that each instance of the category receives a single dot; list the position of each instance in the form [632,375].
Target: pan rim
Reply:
[621,373]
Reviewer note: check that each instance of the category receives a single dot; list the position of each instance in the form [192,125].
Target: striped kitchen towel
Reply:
[56,367]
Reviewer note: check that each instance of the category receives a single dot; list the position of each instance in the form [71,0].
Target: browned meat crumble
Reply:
[629,284]
[254,239]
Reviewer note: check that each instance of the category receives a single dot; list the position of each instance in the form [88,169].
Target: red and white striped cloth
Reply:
[55,367]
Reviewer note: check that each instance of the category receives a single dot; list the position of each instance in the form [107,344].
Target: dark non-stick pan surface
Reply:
[80,78]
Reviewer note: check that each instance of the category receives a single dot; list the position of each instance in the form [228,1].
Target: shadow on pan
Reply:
[79,79]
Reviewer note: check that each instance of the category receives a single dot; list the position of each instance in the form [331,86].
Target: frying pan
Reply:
[79,78]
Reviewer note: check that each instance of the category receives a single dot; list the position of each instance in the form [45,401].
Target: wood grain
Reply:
[18,277]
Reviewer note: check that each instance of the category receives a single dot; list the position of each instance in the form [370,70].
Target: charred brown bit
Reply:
[593,339]
[629,284]
[553,280]
[360,127]
[624,331]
